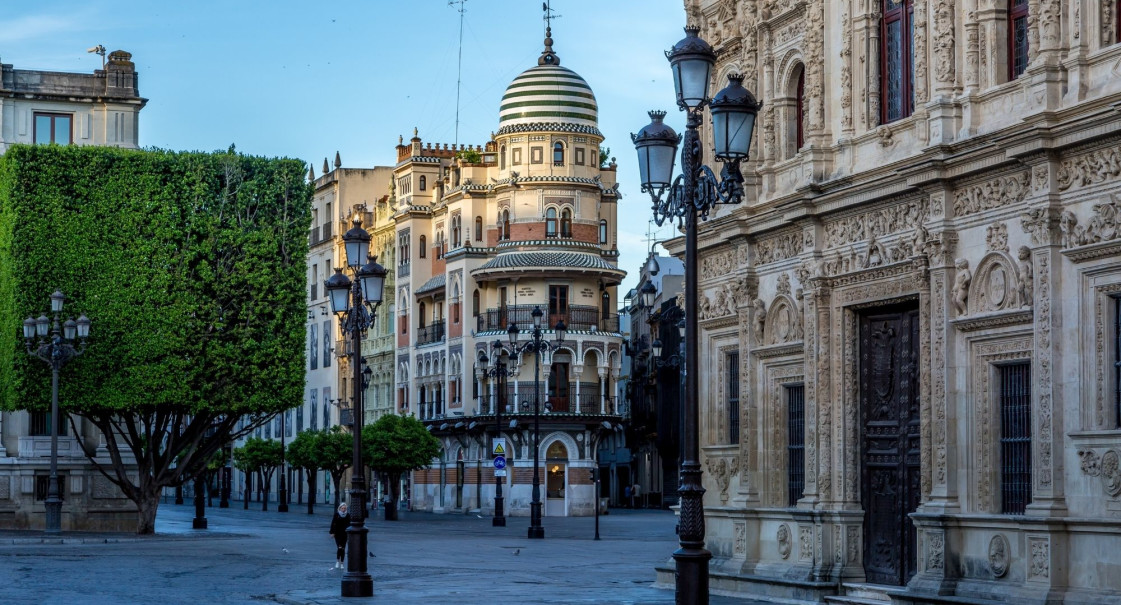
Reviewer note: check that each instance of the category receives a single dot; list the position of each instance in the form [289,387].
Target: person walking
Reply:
[636,493]
[627,501]
[339,522]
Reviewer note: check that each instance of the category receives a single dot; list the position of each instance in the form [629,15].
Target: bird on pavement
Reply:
[285,550]
[372,554]
[517,551]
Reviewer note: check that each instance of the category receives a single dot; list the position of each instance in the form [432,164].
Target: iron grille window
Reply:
[41,424]
[43,486]
[795,443]
[1117,361]
[1017,38]
[896,77]
[1015,438]
[799,111]
[733,389]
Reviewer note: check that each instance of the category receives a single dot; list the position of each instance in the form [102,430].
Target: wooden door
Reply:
[889,401]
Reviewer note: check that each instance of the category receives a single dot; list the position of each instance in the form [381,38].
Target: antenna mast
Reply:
[459,73]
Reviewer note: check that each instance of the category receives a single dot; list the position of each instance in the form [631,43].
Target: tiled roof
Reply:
[516,260]
[549,127]
[436,283]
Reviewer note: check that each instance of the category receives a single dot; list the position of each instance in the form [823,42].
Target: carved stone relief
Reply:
[782,536]
[1024,286]
[960,291]
[781,324]
[760,321]
[943,42]
[805,543]
[717,264]
[1108,22]
[1104,225]
[1040,552]
[935,550]
[779,247]
[1037,223]
[1090,168]
[876,223]
[1042,367]
[996,237]
[726,298]
[997,285]
[722,469]
[739,547]
[999,556]
[993,193]
[1107,468]
[846,67]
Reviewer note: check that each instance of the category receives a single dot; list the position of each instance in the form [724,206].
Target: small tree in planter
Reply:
[304,452]
[262,456]
[336,452]
[396,445]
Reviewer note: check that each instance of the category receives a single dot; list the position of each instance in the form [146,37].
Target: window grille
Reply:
[795,443]
[1015,438]
[733,390]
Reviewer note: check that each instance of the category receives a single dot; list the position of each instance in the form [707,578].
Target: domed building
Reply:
[488,237]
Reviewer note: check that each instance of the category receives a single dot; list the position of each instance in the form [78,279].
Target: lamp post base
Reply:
[499,519]
[357,585]
[54,516]
[536,533]
[691,576]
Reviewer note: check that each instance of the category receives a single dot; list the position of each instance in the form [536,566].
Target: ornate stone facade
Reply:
[986,224]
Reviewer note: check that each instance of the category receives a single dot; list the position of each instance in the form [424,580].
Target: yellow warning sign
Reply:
[499,448]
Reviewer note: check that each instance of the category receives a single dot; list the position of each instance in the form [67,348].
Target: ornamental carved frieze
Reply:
[726,298]
[993,193]
[1108,21]
[996,237]
[1039,224]
[1040,563]
[877,223]
[718,264]
[778,247]
[1107,467]
[1090,168]
[943,41]
[846,67]
[813,46]
[1103,226]
[935,550]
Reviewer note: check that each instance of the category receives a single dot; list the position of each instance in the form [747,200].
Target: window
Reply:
[558,304]
[53,128]
[41,424]
[423,245]
[420,316]
[502,158]
[800,111]
[732,388]
[536,155]
[558,154]
[1015,437]
[795,443]
[517,159]
[478,228]
[505,224]
[423,183]
[1017,38]
[603,231]
[43,486]
[457,223]
[475,303]
[896,76]
[566,223]
[1117,360]
[551,222]
[579,156]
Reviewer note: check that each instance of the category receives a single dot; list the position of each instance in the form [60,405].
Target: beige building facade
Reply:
[912,322]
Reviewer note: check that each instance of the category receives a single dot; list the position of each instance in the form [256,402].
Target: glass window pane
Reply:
[62,130]
[42,130]
[894,80]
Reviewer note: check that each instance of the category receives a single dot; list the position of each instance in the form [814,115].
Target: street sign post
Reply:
[499,447]
[499,462]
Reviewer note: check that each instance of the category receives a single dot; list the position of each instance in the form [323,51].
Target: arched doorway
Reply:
[556,469]
[460,470]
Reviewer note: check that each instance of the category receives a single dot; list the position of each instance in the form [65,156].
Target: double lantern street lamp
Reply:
[499,372]
[537,346]
[355,303]
[45,340]
[695,192]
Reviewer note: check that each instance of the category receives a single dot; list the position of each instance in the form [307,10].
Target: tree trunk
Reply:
[248,488]
[266,480]
[337,479]
[311,476]
[146,508]
[209,489]
[391,506]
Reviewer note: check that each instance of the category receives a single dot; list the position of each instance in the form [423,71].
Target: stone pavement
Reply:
[250,556]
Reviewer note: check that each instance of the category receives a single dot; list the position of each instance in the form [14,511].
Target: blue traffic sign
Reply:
[500,462]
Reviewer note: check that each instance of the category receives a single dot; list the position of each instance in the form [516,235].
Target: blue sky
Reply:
[304,79]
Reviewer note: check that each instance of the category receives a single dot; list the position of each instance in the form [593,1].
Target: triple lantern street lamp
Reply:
[44,339]
[692,194]
[537,346]
[355,302]
[499,372]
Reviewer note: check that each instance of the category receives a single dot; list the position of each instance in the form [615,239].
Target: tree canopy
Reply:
[191,267]
[398,444]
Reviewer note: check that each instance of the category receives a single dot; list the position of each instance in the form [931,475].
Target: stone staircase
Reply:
[864,594]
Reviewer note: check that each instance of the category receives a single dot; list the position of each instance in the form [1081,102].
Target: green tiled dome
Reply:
[548,93]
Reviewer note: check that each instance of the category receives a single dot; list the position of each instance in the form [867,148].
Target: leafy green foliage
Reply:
[469,156]
[604,155]
[398,444]
[191,267]
[258,454]
[303,451]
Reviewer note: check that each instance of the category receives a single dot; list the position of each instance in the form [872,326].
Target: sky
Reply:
[307,79]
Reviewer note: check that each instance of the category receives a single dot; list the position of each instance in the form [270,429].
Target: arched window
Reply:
[420,316]
[423,183]
[475,303]
[800,111]
[603,231]
[1017,38]
[897,44]
[478,228]
[605,305]
[558,154]
[551,222]
[456,224]
[423,246]
[566,223]
[505,224]
[502,158]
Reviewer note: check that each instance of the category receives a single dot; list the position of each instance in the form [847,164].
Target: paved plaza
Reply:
[250,556]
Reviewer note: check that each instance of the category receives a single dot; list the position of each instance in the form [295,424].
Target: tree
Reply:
[396,445]
[336,453]
[303,452]
[191,267]
[261,456]
[604,155]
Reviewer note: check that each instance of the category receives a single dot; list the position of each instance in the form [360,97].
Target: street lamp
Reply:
[45,340]
[694,192]
[537,346]
[355,303]
[499,372]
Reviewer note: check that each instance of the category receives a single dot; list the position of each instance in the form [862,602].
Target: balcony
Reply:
[578,318]
[432,333]
[562,403]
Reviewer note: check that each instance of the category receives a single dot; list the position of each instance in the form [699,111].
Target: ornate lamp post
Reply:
[355,302]
[694,193]
[537,346]
[499,372]
[46,341]
[671,361]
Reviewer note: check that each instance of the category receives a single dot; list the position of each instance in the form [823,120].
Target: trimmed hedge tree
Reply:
[191,267]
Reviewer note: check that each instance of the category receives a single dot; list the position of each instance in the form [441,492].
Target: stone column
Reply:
[602,390]
[578,371]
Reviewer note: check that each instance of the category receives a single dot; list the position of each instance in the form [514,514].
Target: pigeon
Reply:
[517,551]
[285,550]
[371,553]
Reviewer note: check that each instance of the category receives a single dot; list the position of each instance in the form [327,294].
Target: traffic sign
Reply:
[500,462]
[499,472]
[499,446]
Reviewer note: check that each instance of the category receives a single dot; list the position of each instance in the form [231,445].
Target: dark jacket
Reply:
[338,527]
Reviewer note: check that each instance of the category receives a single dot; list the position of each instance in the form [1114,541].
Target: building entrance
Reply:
[889,404]
[556,463]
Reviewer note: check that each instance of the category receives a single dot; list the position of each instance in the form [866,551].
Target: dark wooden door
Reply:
[889,402]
